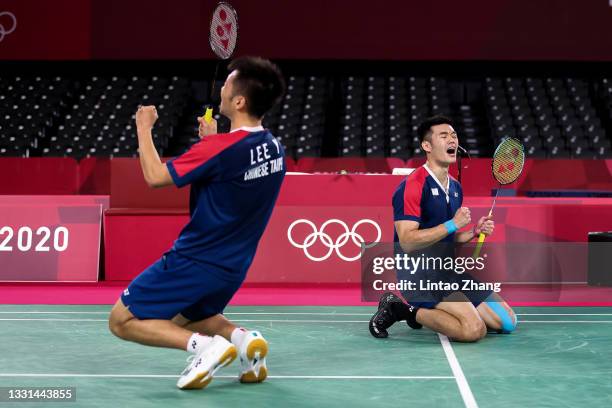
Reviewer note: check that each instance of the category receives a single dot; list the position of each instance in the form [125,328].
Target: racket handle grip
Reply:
[208,114]
[481,239]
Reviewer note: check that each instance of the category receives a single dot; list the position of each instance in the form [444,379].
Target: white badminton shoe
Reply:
[200,371]
[253,351]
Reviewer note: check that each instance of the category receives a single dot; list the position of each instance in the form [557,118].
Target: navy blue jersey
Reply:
[421,198]
[235,179]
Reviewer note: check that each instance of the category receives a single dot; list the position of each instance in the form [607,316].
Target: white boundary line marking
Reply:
[229,313]
[464,387]
[297,377]
[284,320]
[293,313]
[54,320]
[59,312]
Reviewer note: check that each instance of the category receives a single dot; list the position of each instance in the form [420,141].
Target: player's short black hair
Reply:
[424,128]
[260,81]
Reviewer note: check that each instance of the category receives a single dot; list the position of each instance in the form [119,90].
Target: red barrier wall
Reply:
[129,189]
[94,175]
[49,175]
[566,174]
[538,175]
[291,164]
[54,175]
[351,165]
[123,177]
[135,239]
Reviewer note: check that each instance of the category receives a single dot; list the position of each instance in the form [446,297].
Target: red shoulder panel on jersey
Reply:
[206,149]
[414,191]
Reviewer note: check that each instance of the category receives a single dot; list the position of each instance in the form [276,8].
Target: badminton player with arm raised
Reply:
[235,179]
[427,211]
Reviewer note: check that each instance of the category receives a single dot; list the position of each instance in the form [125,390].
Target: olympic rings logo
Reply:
[327,240]
[3,30]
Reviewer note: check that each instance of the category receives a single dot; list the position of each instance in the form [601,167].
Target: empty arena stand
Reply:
[83,115]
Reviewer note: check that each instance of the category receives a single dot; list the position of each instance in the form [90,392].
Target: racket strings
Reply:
[223,37]
[508,161]
[223,31]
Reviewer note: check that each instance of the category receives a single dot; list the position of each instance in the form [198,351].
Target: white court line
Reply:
[292,321]
[236,320]
[229,313]
[54,320]
[299,313]
[296,377]
[464,387]
[59,312]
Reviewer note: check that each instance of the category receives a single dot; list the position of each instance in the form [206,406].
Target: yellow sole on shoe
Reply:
[250,376]
[198,382]
[205,378]
[257,348]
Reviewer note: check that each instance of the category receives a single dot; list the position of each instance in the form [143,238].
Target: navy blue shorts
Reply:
[176,284]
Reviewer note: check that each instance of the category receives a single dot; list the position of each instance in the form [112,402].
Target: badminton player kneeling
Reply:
[235,179]
[427,214]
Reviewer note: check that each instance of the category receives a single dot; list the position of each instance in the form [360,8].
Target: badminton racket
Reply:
[507,166]
[223,36]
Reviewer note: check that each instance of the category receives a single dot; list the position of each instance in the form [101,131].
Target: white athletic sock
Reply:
[238,336]
[198,342]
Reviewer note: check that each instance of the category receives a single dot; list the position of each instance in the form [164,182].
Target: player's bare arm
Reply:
[155,172]
[412,238]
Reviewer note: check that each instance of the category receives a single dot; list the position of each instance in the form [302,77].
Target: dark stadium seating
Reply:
[320,116]
[554,117]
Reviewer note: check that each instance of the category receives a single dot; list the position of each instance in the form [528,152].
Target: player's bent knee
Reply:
[118,320]
[507,318]
[472,332]
[117,326]
[477,332]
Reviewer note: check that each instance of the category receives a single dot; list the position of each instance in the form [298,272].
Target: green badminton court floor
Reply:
[319,357]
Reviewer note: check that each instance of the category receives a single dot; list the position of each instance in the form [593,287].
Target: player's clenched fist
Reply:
[205,128]
[485,225]
[146,117]
[462,217]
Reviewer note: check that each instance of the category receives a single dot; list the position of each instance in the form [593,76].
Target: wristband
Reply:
[450,226]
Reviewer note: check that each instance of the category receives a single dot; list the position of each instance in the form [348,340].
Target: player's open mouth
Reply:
[451,151]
